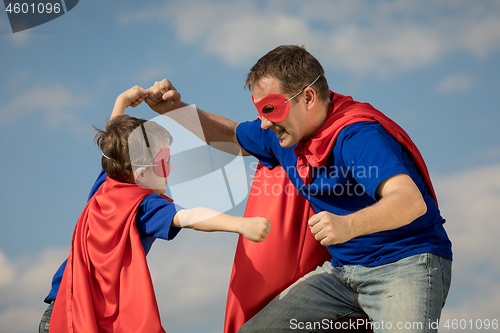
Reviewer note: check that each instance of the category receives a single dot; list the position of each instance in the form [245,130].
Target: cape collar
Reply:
[343,112]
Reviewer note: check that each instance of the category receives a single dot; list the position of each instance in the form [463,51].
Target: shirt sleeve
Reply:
[257,142]
[98,182]
[372,154]
[154,217]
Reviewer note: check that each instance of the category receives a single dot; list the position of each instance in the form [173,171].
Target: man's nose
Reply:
[265,124]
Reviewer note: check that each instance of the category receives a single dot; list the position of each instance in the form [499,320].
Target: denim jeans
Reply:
[403,296]
[44,322]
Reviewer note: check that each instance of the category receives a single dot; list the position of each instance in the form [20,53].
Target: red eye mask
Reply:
[273,107]
[161,164]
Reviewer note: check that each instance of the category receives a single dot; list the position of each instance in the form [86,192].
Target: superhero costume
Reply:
[261,271]
[106,286]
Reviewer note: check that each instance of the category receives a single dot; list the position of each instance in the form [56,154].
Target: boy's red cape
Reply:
[106,286]
[262,270]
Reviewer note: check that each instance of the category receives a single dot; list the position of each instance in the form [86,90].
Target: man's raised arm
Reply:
[217,131]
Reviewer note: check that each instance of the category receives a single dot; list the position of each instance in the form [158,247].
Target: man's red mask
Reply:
[275,107]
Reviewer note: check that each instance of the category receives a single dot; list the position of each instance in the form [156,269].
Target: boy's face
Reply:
[154,182]
[151,178]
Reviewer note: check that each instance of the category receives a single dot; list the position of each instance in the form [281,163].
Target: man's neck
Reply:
[319,118]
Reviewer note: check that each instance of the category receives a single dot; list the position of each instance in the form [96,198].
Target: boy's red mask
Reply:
[161,164]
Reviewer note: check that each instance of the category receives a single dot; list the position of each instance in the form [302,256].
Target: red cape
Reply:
[262,270]
[106,286]
[344,112]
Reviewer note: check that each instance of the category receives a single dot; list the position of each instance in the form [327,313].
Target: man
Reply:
[376,210]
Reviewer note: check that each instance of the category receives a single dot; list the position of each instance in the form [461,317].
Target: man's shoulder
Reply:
[363,128]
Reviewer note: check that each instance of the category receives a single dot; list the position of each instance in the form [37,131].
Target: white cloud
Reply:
[456,83]
[481,32]
[20,38]
[474,313]
[383,38]
[22,294]
[235,39]
[57,104]
[191,278]
[8,272]
[470,203]
[20,320]
[190,275]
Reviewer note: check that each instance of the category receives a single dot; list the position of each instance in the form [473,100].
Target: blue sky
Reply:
[432,66]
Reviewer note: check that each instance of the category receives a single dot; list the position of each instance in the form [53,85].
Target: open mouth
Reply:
[280,134]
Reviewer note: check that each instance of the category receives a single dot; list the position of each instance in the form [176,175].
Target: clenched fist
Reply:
[329,228]
[256,229]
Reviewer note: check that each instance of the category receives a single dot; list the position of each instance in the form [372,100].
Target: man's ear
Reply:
[310,97]
[139,175]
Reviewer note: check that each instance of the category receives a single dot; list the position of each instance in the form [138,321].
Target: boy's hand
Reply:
[163,97]
[256,229]
[132,97]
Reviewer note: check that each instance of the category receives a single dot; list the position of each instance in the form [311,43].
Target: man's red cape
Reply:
[262,270]
[106,286]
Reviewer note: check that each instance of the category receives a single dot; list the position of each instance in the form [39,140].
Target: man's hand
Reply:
[256,229]
[329,228]
[163,97]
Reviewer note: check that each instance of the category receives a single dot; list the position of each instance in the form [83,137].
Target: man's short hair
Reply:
[294,67]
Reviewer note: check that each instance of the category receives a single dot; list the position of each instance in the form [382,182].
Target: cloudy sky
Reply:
[432,66]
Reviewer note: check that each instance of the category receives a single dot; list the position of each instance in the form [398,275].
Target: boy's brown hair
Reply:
[294,67]
[124,135]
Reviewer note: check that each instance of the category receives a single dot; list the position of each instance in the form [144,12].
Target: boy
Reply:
[106,286]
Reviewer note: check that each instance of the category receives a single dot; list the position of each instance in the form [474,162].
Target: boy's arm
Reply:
[132,97]
[204,219]
[164,98]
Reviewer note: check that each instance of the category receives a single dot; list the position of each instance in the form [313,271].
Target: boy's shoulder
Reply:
[154,200]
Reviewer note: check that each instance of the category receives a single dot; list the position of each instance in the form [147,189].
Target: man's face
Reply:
[289,131]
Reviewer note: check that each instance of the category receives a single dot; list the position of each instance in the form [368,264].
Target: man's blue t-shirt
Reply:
[364,156]
[153,220]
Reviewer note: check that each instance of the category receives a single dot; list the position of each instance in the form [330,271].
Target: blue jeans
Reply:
[45,321]
[403,296]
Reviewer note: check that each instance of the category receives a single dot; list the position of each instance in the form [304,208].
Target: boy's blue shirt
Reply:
[153,220]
